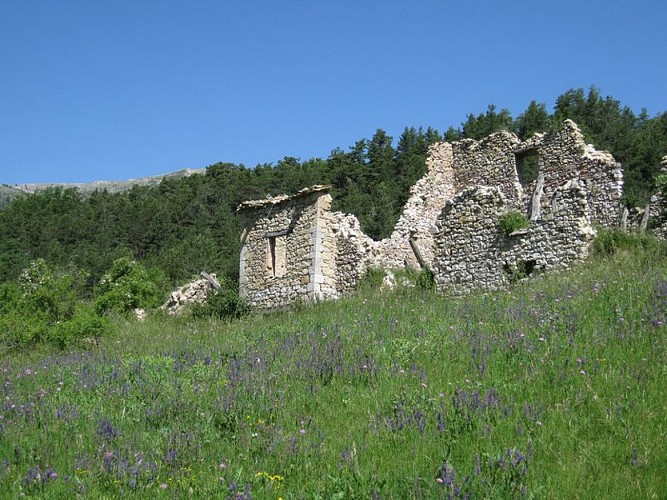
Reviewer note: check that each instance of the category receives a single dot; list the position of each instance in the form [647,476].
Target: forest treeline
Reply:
[189,224]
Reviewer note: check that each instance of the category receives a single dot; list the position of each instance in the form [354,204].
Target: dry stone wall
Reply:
[194,292]
[355,252]
[427,198]
[489,162]
[468,239]
[473,254]
[564,155]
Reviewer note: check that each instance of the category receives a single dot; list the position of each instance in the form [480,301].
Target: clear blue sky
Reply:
[123,89]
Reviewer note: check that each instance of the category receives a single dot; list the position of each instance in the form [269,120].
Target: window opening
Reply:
[276,255]
[527,166]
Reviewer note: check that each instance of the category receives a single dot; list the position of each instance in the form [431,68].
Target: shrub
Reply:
[225,304]
[372,280]
[609,242]
[126,286]
[45,306]
[425,279]
[512,221]
[85,324]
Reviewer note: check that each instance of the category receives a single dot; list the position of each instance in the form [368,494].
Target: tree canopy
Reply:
[187,224]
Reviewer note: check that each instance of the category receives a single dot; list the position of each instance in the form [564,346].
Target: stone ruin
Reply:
[294,248]
[194,292]
[472,254]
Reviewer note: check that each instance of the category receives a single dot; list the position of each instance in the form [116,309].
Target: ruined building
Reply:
[295,248]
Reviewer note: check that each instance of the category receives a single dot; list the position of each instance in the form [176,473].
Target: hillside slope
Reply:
[86,188]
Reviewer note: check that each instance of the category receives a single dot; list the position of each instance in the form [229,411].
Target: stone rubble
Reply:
[194,292]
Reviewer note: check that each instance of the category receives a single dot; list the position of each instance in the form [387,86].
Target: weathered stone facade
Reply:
[489,162]
[294,248]
[564,155]
[355,252]
[288,249]
[472,252]
[427,199]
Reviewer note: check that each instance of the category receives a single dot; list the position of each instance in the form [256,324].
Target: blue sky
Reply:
[125,89]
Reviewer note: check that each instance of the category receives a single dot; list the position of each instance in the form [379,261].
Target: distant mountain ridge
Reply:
[11,191]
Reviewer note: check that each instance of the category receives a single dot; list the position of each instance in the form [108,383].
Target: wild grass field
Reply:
[554,389]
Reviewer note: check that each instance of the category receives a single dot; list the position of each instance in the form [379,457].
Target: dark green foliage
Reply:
[425,279]
[127,286]
[534,119]
[478,127]
[225,304]
[512,221]
[528,168]
[611,242]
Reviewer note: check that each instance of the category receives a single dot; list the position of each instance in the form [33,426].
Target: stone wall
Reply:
[427,198]
[492,161]
[564,155]
[288,249]
[355,252]
[473,254]
[294,248]
[489,162]
[194,292]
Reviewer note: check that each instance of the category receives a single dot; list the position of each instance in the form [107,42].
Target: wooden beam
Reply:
[214,283]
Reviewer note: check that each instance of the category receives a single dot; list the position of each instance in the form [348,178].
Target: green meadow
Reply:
[553,389]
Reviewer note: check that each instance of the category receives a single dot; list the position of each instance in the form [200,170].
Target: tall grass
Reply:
[552,389]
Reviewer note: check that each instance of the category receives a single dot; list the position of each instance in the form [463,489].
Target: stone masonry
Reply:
[288,249]
[194,292]
[426,201]
[564,155]
[472,253]
[293,248]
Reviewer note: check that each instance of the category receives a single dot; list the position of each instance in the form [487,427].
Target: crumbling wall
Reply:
[564,155]
[288,249]
[355,252]
[194,292]
[489,162]
[427,198]
[473,254]
[294,248]
[467,241]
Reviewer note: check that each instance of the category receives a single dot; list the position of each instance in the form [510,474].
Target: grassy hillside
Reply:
[553,389]
[8,193]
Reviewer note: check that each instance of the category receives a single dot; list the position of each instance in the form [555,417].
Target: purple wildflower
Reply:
[106,429]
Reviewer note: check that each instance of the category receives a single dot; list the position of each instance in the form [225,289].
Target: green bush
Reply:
[126,286]
[512,221]
[225,304]
[84,325]
[609,242]
[425,279]
[46,306]
[372,280]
